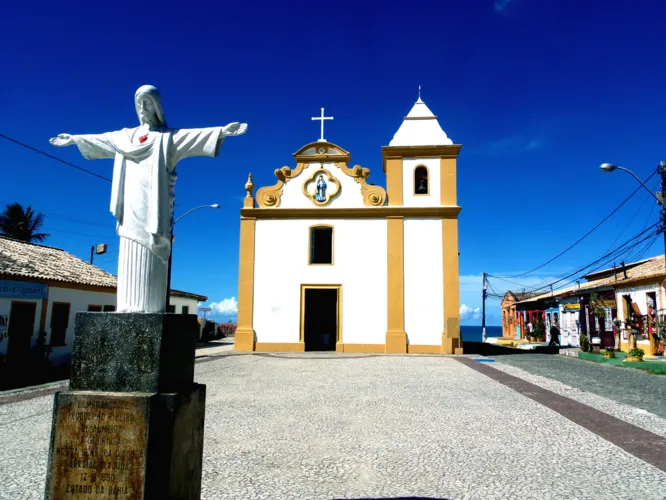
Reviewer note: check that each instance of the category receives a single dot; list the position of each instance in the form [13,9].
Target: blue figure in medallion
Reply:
[320,193]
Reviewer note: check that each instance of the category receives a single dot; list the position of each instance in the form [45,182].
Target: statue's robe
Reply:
[142,197]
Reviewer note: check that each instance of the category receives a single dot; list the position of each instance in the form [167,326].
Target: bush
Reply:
[584,343]
[636,353]
[540,330]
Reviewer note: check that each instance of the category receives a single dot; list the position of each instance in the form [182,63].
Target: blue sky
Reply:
[538,92]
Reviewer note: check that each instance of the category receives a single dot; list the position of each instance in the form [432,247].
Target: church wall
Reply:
[432,199]
[350,191]
[424,294]
[281,267]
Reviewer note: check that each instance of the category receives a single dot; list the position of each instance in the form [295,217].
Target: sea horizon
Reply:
[472,333]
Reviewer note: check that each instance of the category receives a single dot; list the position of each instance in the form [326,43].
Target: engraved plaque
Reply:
[98,446]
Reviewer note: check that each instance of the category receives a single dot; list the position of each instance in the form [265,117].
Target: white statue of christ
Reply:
[142,193]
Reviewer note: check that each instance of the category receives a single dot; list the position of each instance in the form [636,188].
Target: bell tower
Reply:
[420,162]
[420,168]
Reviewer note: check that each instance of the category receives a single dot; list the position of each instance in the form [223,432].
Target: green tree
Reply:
[22,223]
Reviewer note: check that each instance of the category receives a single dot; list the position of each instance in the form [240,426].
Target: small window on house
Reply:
[59,322]
[109,308]
[421,180]
[171,309]
[94,308]
[321,245]
[185,310]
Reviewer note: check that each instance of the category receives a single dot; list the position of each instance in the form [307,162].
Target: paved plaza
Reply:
[327,426]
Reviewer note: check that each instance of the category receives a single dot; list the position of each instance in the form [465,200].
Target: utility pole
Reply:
[483,314]
[661,169]
[168,287]
[662,196]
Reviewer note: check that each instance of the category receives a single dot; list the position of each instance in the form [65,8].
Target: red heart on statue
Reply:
[143,139]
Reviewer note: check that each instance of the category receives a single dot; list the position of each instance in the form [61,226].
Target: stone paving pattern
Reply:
[635,416]
[629,386]
[363,426]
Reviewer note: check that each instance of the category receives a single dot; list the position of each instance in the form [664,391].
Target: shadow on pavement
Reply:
[484,349]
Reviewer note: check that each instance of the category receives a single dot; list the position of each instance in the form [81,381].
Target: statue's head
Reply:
[148,105]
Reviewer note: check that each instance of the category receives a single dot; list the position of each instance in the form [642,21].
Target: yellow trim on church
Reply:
[375,206]
[244,337]
[396,338]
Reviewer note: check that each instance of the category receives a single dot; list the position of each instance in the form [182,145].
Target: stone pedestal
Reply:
[131,426]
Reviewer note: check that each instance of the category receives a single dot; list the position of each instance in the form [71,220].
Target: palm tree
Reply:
[22,223]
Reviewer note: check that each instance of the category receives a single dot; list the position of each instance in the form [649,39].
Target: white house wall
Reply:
[424,294]
[638,296]
[281,267]
[350,191]
[179,302]
[409,199]
[79,300]
[5,308]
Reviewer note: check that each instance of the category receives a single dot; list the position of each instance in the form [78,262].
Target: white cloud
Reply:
[226,307]
[467,313]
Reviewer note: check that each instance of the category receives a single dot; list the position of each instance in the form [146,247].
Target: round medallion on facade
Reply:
[321,187]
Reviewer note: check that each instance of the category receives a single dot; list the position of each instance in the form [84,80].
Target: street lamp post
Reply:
[97,249]
[168,288]
[660,196]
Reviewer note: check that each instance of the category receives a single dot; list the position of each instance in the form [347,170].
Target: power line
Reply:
[76,232]
[652,238]
[604,260]
[71,219]
[513,282]
[53,157]
[647,197]
[584,236]
[618,252]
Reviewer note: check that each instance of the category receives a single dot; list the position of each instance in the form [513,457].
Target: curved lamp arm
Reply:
[193,209]
[607,167]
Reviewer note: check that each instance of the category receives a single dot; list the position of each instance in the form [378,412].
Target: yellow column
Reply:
[448,197]
[451,334]
[394,181]
[244,337]
[396,338]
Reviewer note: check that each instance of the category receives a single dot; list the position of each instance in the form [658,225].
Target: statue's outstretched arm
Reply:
[62,140]
[91,146]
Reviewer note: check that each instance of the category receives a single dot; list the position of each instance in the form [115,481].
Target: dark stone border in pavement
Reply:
[641,443]
[18,395]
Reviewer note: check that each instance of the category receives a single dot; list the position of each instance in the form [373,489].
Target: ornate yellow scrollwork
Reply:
[269,196]
[374,196]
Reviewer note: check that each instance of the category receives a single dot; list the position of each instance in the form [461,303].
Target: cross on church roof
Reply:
[322,118]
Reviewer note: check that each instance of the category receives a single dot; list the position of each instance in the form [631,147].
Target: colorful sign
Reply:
[22,290]
[571,307]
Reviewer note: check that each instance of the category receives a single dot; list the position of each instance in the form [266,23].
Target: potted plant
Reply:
[610,353]
[635,355]
[597,306]
[584,343]
[540,331]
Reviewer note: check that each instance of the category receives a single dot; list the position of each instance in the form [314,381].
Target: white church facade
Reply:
[330,261]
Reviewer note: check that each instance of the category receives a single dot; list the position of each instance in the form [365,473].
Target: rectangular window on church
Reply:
[321,245]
